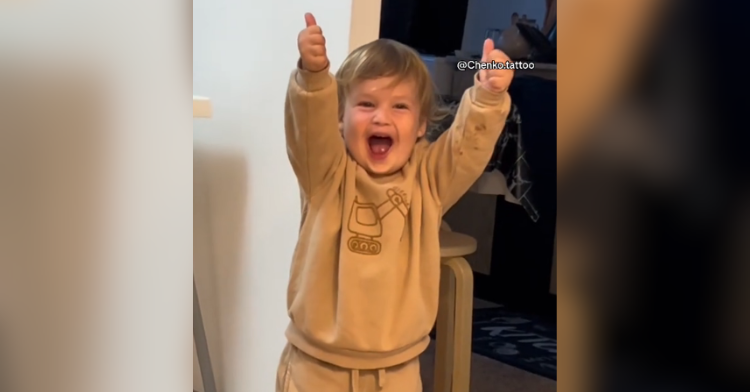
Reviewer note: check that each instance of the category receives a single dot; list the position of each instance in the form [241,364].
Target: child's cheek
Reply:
[361,118]
[404,120]
[355,125]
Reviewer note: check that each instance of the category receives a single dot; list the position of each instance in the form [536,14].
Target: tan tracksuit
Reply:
[363,289]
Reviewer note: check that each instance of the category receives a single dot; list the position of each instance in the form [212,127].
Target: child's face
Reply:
[381,124]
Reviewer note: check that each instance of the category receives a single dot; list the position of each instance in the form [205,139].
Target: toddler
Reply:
[363,289]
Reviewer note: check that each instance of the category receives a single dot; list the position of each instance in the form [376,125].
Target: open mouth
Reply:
[379,145]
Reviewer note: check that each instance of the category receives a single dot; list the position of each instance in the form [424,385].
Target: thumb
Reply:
[310,20]
[489,46]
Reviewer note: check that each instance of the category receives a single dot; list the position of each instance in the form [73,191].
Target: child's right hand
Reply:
[312,46]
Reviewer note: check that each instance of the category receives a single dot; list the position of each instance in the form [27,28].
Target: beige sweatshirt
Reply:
[363,290]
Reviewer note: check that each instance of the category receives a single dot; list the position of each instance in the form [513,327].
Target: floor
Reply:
[488,375]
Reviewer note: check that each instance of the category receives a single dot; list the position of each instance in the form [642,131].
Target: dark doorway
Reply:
[433,27]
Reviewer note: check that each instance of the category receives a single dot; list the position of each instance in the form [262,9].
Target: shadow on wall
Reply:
[52,162]
[220,197]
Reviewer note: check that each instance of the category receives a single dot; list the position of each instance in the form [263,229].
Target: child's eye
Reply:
[401,106]
[365,104]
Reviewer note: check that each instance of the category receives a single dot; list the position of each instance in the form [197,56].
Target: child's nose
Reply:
[382,117]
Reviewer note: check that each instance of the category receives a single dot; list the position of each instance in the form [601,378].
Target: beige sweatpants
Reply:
[299,372]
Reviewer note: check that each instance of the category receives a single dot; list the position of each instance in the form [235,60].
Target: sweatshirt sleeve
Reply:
[460,155]
[315,146]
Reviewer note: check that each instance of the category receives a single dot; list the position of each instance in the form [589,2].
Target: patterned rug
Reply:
[517,340]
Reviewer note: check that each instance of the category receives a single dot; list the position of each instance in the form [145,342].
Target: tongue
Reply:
[380,145]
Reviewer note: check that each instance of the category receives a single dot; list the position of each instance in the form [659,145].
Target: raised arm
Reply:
[460,155]
[314,144]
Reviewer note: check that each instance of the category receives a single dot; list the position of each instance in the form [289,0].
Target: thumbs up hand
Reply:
[312,46]
[495,80]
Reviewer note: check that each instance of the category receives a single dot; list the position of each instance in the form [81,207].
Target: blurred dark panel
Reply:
[431,27]
[657,195]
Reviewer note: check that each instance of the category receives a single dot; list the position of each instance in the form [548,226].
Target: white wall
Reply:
[487,14]
[246,200]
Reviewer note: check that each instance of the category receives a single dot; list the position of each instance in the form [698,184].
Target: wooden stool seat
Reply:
[454,244]
[456,305]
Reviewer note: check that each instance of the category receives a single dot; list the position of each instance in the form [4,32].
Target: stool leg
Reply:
[444,331]
[462,328]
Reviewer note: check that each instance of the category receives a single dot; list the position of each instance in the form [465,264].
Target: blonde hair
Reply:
[389,58]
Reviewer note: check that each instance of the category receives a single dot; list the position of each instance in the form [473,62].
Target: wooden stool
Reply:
[454,320]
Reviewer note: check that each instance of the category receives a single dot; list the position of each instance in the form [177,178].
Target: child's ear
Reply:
[422,130]
[341,127]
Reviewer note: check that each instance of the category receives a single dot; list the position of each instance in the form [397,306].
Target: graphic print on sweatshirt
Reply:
[366,221]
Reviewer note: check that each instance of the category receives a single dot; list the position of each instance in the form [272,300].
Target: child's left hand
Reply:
[495,80]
